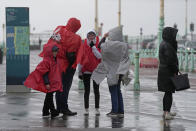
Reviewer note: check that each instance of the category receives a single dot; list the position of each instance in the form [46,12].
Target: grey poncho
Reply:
[115,59]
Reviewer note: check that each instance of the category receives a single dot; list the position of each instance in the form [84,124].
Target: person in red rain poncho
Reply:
[90,58]
[68,42]
[47,78]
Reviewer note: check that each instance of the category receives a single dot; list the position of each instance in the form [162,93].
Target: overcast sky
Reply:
[47,14]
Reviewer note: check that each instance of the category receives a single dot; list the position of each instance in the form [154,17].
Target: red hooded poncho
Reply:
[67,41]
[87,59]
[35,79]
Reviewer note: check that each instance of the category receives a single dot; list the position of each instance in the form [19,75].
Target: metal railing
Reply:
[144,53]
[186,58]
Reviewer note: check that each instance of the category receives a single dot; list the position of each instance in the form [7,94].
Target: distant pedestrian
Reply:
[168,67]
[40,42]
[47,78]
[114,65]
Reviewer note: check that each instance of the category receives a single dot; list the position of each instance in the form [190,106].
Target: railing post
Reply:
[181,60]
[136,72]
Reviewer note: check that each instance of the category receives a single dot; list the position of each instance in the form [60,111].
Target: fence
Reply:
[186,57]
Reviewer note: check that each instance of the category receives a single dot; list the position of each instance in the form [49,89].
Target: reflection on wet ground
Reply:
[143,112]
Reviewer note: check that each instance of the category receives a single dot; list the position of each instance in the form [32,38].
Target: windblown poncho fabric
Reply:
[115,59]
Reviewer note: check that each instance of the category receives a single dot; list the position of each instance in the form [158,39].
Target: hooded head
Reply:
[73,25]
[91,35]
[50,50]
[115,34]
[169,34]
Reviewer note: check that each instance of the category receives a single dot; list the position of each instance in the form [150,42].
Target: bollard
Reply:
[136,73]
[186,61]
[181,60]
[81,85]
[192,61]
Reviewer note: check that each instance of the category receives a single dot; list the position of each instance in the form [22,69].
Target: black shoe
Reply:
[69,113]
[54,114]
[45,114]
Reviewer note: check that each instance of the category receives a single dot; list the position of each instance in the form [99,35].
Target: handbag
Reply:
[181,82]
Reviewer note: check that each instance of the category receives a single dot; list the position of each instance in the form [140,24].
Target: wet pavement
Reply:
[143,110]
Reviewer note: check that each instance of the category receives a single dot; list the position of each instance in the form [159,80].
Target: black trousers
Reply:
[167,101]
[86,80]
[48,103]
[62,97]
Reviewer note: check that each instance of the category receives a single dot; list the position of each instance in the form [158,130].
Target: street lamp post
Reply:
[119,13]
[141,34]
[161,24]
[96,16]
[186,19]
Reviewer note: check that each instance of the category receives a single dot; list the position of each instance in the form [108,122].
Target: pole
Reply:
[96,16]
[181,59]
[141,34]
[191,37]
[186,19]
[161,25]
[4,38]
[119,13]
[136,73]
[137,45]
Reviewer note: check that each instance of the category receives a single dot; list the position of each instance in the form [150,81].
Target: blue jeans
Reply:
[116,98]
[62,97]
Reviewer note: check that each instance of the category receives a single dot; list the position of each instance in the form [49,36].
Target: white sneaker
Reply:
[86,112]
[168,116]
[111,114]
[173,113]
[97,112]
[121,115]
